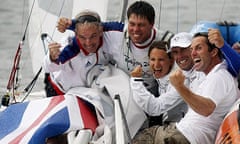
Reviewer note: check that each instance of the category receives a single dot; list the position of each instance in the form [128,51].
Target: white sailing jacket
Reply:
[73,64]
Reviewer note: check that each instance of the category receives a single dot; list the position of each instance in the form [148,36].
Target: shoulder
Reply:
[220,74]
[164,35]
[113,26]
[69,51]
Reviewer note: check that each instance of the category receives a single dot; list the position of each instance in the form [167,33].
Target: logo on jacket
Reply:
[88,64]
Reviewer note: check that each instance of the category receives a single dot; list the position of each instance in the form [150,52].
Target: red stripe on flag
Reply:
[88,116]
[54,102]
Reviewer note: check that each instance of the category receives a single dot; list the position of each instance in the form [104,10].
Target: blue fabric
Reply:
[232,58]
[57,124]
[107,26]
[11,118]
[69,51]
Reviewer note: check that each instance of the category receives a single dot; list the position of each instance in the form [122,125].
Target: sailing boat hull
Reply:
[229,129]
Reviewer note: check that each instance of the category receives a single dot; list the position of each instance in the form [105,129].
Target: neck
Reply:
[212,65]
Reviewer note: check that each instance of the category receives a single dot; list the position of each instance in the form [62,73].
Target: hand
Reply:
[63,24]
[54,50]
[215,37]
[137,72]
[177,78]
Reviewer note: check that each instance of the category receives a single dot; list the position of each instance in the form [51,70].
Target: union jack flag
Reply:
[35,121]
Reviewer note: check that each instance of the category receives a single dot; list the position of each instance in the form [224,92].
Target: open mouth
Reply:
[197,60]
[182,61]
[136,36]
[157,71]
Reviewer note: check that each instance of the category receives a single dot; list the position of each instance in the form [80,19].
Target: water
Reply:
[176,15]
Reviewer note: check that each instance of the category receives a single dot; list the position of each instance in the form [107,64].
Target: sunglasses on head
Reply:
[87,18]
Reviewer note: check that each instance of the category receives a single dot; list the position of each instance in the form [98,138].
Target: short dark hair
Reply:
[210,45]
[142,9]
[162,45]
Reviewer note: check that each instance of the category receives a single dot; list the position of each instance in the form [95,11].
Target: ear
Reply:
[214,52]
[172,61]
[101,30]
[152,25]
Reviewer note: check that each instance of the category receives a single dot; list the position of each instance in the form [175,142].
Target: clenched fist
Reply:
[63,24]
[54,50]
[177,78]
[215,37]
[137,72]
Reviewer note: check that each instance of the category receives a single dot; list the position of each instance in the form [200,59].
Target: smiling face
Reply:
[139,28]
[204,58]
[182,56]
[160,63]
[89,36]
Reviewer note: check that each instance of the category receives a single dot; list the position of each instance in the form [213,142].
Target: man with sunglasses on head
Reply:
[68,68]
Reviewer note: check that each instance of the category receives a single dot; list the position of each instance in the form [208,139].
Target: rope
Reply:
[28,21]
[177,15]
[15,67]
[59,14]
[222,10]
[196,18]
[160,14]
[124,9]
[30,86]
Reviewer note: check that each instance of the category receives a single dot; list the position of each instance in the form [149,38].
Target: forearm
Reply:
[50,66]
[199,104]
[140,94]
[72,27]
[154,105]
[232,58]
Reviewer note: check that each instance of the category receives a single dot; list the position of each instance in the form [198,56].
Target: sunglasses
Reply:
[87,18]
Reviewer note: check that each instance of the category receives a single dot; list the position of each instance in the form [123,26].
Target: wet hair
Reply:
[210,45]
[162,45]
[142,9]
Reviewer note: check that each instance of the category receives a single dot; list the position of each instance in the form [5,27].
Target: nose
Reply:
[193,52]
[88,41]
[135,28]
[156,64]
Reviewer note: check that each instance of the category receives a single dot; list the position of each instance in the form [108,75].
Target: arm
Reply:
[65,23]
[199,104]
[231,56]
[149,103]
[50,63]
[58,55]
[137,72]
